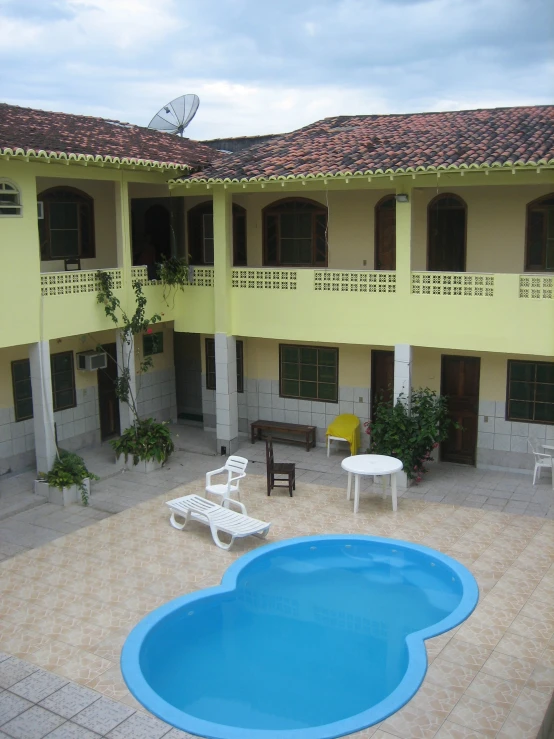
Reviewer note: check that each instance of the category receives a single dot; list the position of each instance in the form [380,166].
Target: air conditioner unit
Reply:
[90,361]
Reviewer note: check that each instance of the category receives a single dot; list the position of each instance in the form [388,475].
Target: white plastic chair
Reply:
[542,461]
[235,468]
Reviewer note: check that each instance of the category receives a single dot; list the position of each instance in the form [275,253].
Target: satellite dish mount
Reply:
[176,115]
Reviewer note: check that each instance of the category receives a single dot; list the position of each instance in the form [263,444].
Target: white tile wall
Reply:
[156,396]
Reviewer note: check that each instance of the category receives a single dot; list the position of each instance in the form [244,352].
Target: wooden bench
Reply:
[269,427]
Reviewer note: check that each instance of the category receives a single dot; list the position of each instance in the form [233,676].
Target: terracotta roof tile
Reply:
[56,133]
[371,143]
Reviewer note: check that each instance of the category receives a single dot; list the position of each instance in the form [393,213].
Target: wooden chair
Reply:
[279,474]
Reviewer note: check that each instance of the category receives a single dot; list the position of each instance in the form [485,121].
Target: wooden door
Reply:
[385,234]
[107,399]
[382,378]
[460,383]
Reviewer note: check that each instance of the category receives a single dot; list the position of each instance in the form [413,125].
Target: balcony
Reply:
[464,311]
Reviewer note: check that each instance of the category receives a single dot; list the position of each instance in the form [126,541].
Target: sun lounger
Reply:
[217,517]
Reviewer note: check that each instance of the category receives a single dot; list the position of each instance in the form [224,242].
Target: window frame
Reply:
[15,397]
[377,210]
[527,267]
[462,206]
[153,337]
[13,191]
[511,363]
[196,238]
[317,399]
[209,349]
[276,209]
[54,390]
[81,200]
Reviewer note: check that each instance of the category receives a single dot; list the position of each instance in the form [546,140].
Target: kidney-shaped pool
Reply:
[307,638]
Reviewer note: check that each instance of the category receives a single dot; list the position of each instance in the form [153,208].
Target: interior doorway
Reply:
[460,383]
[108,403]
[382,378]
[188,376]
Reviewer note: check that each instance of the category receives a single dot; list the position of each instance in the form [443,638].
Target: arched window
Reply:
[10,199]
[539,247]
[295,233]
[66,228]
[385,233]
[446,229]
[201,234]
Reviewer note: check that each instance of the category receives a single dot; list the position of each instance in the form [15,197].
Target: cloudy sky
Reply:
[266,66]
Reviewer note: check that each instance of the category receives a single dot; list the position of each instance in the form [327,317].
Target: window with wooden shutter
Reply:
[67,227]
[201,235]
[539,249]
[295,233]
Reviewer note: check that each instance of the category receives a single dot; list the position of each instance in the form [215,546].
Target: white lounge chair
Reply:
[542,461]
[217,517]
[235,468]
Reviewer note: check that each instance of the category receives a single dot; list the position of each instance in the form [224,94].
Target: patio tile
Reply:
[140,726]
[451,730]
[69,730]
[38,685]
[11,706]
[12,670]
[464,653]
[34,723]
[103,715]
[480,715]
[70,700]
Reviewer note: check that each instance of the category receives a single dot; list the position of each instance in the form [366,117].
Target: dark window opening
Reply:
[539,247]
[67,227]
[201,235]
[309,372]
[153,343]
[446,227]
[295,234]
[63,381]
[210,365]
[530,391]
[22,390]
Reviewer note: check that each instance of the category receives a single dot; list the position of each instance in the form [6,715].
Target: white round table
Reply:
[371,464]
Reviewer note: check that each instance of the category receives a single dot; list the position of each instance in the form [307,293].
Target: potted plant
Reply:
[147,442]
[68,481]
[410,431]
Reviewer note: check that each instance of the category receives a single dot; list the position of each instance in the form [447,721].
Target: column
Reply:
[126,358]
[43,409]
[403,372]
[403,239]
[123,229]
[226,399]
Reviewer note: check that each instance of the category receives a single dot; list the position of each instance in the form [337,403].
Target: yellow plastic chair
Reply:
[345,427]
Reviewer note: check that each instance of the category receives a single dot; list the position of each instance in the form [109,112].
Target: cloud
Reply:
[263,67]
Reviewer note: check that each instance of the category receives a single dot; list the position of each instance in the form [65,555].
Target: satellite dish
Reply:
[176,115]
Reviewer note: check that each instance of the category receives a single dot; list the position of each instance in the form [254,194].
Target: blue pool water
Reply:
[308,638]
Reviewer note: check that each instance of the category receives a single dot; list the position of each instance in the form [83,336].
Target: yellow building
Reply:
[327,265]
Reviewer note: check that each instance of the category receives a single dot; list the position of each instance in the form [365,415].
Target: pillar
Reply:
[126,358]
[226,398]
[43,408]
[403,240]
[403,372]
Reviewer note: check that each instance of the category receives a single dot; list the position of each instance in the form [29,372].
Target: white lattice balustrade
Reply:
[80,281]
[264,279]
[355,281]
[457,284]
[536,287]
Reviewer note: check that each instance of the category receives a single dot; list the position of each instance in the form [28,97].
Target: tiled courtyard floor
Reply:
[68,605]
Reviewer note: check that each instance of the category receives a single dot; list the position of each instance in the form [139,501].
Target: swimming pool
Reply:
[308,638]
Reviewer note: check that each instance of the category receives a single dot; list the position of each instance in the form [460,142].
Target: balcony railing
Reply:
[462,284]
[536,287]
[80,281]
[350,281]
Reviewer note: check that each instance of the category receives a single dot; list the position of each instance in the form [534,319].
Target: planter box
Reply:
[402,482]
[64,497]
[145,467]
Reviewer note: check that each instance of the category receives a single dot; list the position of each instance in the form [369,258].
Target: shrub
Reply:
[69,469]
[145,440]
[410,433]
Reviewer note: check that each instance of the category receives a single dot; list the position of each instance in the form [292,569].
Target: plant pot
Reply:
[41,488]
[67,496]
[143,466]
